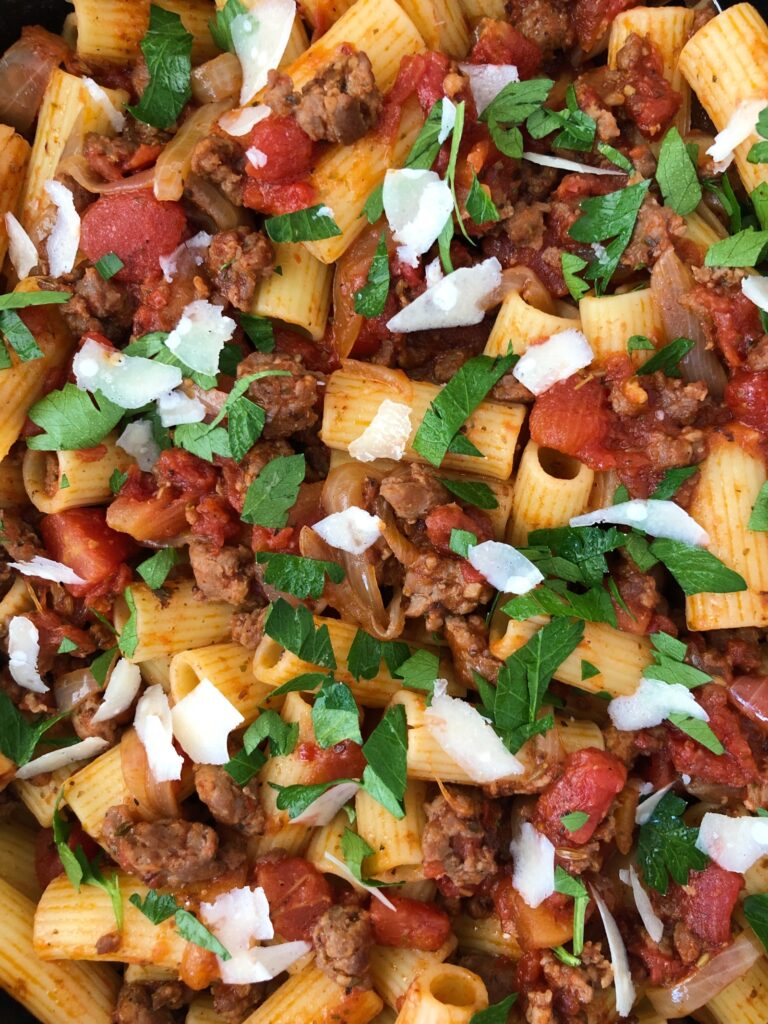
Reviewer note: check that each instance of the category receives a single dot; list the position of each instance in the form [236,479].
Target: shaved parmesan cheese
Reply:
[257,157]
[128,381]
[241,121]
[468,738]
[62,757]
[101,97]
[557,358]
[175,407]
[651,920]
[504,567]
[622,979]
[447,120]
[193,246]
[654,517]
[741,124]
[123,685]
[260,37]
[202,722]
[645,809]
[155,730]
[46,569]
[487,80]
[386,436]
[137,439]
[64,239]
[354,530]
[417,204]
[458,300]
[261,963]
[200,335]
[756,290]
[323,810]
[433,272]
[559,162]
[357,884]
[21,249]
[23,652]
[651,703]
[733,843]
[534,858]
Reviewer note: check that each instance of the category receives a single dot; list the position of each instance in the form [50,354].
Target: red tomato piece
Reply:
[136,227]
[592,18]
[412,925]
[213,519]
[287,148]
[590,781]
[298,895]
[573,417]
[501,43]
[185,471]
[746,395]
[706,903]
[736,767]
[265,539]
[81,539]
[342,761]
[442,520]
[47,861]
[276,199]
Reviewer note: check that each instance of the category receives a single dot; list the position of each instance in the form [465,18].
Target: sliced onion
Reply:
[688,995]
[751,695]
[77,167]
[24,72]
[73,687]
[151,800]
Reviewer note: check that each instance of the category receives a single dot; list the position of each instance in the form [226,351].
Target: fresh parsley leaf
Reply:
[129,635]
[221,25]
[744,249]
[496,1014]
[756,913]
[727,197]
[109,265]
[667,846]
[296,575]
[669,663]
[472,492]
[203,440]
[427,144]
[189,928]
[697,730]
[309,225]
[385,752]
[101,665]
[577,128]
[453,156]
[72,419]
[676,175]
[155,906]
[588,670]
[269,725]
[620,494]
[420,671]
[697,570]
[758,153]
[759,197]
[167,49]
[370,299]
[64,483]
[672,482]
[612,216]
[364,658]
[79,870]
[456,402]
[594,605]
[154,571]
[461,541]
[296,799]
[758,519]
[304,683]
[639,343]
[667,358]
[274,491]
[572,265]
[19,336]
[582,547]
[480,207]
[294,628]
[354,849]
[395,653]
[242,767]
[18,737]
[259,330]
[335,715]
[152,346]
[66,646]
[565,957]
[516,102]
[444,240]
[20,300]
[615,157]
[575,820]
[245,422]
[567,885]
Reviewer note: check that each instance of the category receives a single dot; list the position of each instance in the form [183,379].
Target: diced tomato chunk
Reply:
[746,395]
[185,471]
[286,151]
[47,861]
[343,760]
[500,43]
[419,73]
[277,199]
[412,925]
[135,226]
[573,417]
[590,781]
[213,519]
[81,539]
[735,767]
[444,519]
[706,903]
[297,892]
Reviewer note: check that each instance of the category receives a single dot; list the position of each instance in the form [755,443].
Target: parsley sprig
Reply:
[666,846]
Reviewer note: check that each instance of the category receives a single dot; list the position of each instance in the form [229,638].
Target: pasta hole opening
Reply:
[268,653]
[453,990]
[185,679]
[557,465]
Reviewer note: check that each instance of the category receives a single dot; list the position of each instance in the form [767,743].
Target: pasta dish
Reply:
[384,513]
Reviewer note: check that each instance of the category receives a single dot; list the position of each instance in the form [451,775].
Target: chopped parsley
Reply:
[294,628]
[676,175]
[159,907]
[420,671]
[666,359]
[19,737]
[154,570]
[385,752]
[296,575]
[480,206]
[672,482]
[370,299]
[612,216]
[572,265]
[274,492]
[109,265]
[335,716]
[516,102]
[666,846]
[221,25]
[575,820]
[259,330]
[19,337]
[567,885]
[498,1013]
[81,871]
[72,419]
[758,153]
[758,519]
[744,249]
[309,225]
[167,49]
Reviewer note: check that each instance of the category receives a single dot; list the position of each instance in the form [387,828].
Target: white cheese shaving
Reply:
[64,239]
[534,858]
[433,272]
[354,530]
[561,164]
[386,436]
[468,738]
[645,809]
[193,246]
[756,290]
[261,963]
[137,439]
[325,808]
[733,843]
[460,299]
[622,978]
[56,759]
[651,703]
[101,97]
[257,157]
[155,730]
[241,121]
[487,80]
[651,920]
[21,249]
[357,884]
[260,37]
[202,722]
[46,569]
[129,381]
[504,567]
[741,124]
[175,407]
[123,685]
[652,516]
[555,359]
[447,120]
[200,335]
[417,204]
[23,652]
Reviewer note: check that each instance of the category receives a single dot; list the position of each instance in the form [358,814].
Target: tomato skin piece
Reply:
[413,924]
[287,197]
[572,417]
[135,226]
[287,147]
[298,895]
[47,861]
[443,519]
[735,767]
[81,539]
[343,760]
[746,395]
[590,781]
[706,903]
[501,43]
